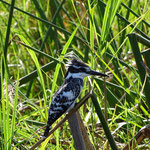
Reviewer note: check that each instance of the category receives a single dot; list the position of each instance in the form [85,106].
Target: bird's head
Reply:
[77,69]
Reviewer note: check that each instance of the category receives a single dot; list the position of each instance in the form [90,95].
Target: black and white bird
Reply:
[65,97]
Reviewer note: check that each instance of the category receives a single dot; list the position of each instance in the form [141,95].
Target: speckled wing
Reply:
[63,99]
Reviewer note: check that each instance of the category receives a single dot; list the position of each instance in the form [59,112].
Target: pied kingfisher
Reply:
[65,97]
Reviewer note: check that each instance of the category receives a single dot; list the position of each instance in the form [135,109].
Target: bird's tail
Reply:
[47,131]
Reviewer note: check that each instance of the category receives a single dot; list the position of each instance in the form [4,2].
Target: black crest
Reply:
[76,63]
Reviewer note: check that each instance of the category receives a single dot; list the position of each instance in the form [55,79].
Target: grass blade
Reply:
[103,122]
[110,11]
[139,62]
[8,27]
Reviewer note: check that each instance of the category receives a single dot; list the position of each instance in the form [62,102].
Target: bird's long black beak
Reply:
[92,72]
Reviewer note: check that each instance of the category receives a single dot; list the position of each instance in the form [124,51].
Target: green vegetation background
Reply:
[39,33]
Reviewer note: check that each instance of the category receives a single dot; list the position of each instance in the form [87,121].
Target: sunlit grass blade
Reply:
[110,11]
[7,110]
[33,55]
[3,116]
[127,22]
[13,122]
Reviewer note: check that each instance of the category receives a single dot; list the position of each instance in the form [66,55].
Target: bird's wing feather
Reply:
[63,99]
